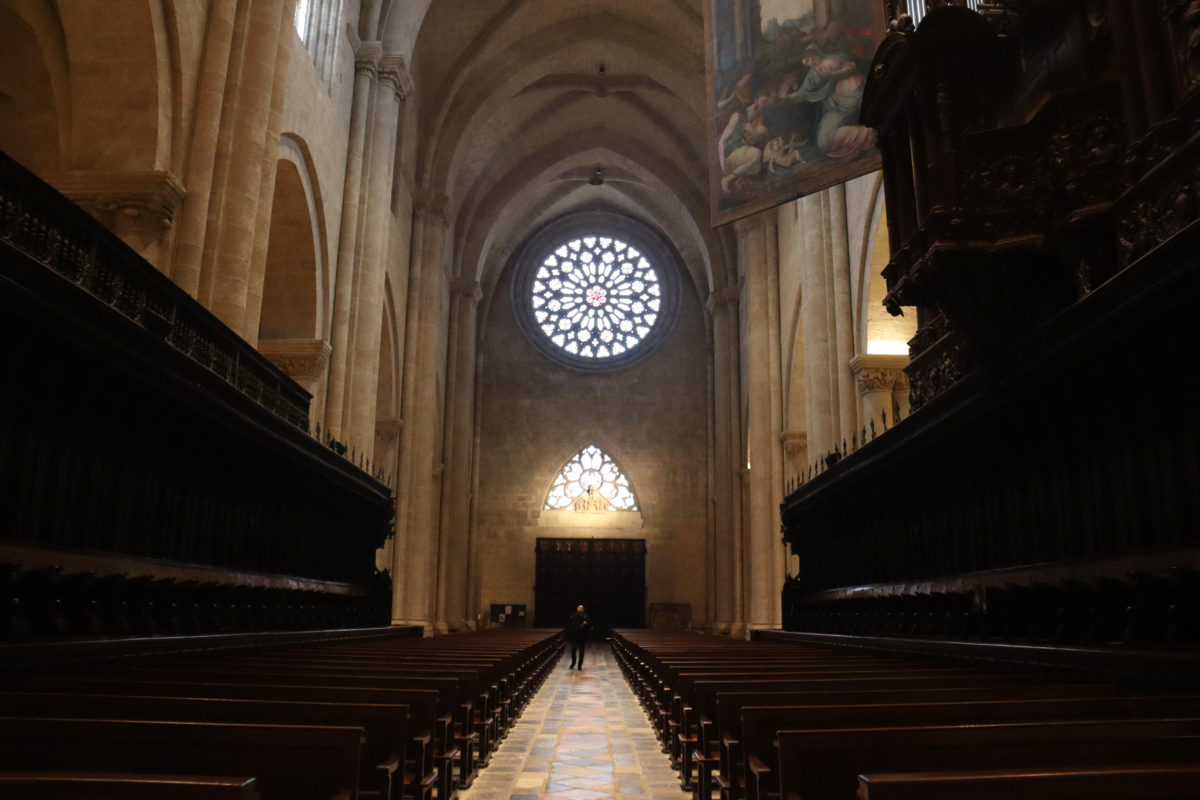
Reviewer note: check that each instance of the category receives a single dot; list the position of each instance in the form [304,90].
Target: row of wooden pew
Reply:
[759,720]
[379,719]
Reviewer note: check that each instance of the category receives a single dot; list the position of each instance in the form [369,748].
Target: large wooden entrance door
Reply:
[608,576]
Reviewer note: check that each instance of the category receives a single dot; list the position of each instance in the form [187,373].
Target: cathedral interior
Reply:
[353,324]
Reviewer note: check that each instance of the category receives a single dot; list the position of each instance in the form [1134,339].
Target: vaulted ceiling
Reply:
[530,109]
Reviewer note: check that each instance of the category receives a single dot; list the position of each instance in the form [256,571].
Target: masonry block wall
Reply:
[652,417]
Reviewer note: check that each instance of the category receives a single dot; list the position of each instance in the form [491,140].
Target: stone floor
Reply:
[583,736]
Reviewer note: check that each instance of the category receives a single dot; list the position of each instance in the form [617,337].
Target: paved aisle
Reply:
[583,736]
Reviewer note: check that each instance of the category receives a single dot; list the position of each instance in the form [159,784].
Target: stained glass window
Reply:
[593,472]
[300,20]
[596,297]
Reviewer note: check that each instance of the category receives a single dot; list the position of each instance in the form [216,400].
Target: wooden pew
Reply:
[440,727]
[58,785]
[721,748]
[1152,782]
[824,763]
[290,762]
[701,695]
[761,724]
[386,746]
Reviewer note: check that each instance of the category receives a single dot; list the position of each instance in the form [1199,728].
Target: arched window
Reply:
[301,19]
[591,481]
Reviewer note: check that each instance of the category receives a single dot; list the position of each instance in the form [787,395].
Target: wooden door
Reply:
[608,576]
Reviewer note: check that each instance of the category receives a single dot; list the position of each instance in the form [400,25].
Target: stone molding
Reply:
[299,358]
[878,373]
[142,201]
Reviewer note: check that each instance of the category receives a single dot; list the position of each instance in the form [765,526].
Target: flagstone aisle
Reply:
[583,736]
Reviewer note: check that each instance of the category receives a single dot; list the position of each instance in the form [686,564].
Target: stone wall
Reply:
[651,417]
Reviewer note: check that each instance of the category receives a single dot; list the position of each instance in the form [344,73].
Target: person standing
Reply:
[578,625]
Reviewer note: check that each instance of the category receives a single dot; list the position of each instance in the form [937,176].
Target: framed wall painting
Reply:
[785,83]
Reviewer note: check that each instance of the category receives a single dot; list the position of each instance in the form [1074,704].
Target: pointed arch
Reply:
[591,471]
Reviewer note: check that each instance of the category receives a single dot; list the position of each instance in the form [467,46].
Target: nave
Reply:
[583,736]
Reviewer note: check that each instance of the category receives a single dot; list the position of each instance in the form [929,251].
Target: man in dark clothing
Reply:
[577,631]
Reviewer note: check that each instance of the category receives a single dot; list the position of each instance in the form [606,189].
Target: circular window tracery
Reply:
[596,297]
[596,291]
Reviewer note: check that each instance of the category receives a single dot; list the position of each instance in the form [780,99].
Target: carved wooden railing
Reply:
[36,222]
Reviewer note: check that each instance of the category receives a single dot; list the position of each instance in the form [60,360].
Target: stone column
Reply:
[814,314]
[416,552]
[847,403]
[366,59]
[392,87]
[306,362]
[758,262]
[225,276]
[880,378]
[459,447]
[725,485]
[202,150]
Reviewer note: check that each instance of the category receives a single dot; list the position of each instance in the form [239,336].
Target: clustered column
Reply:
[416,553]
[728,615]
[758,262]
[381,84]
[459,440]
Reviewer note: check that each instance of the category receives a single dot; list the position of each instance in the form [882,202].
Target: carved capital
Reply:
[302,359]
[431,206]
[137,206]
[795,443]
[366,58]
[394,72]
[877,373]
[467,288]
[387,431]
[724,299]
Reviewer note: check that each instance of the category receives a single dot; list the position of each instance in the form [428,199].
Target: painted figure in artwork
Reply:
[788,81]
[835,82]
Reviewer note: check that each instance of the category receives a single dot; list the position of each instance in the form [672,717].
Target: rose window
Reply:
[596,297]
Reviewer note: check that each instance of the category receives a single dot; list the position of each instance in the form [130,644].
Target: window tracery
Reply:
[596,297]
[591,481]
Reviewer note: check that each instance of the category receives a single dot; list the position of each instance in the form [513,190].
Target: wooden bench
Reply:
[441,728]
[389,759]
[761,724]
[824,763]
[56,785]
[1152,782]
[290,762]
[701,695]
[721,745]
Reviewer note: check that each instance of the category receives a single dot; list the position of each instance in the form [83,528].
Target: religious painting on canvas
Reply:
[786,81]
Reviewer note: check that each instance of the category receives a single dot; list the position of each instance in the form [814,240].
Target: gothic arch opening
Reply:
[29,115]
[291,288]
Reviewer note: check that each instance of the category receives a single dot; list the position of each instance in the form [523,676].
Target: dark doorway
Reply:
[608,576]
